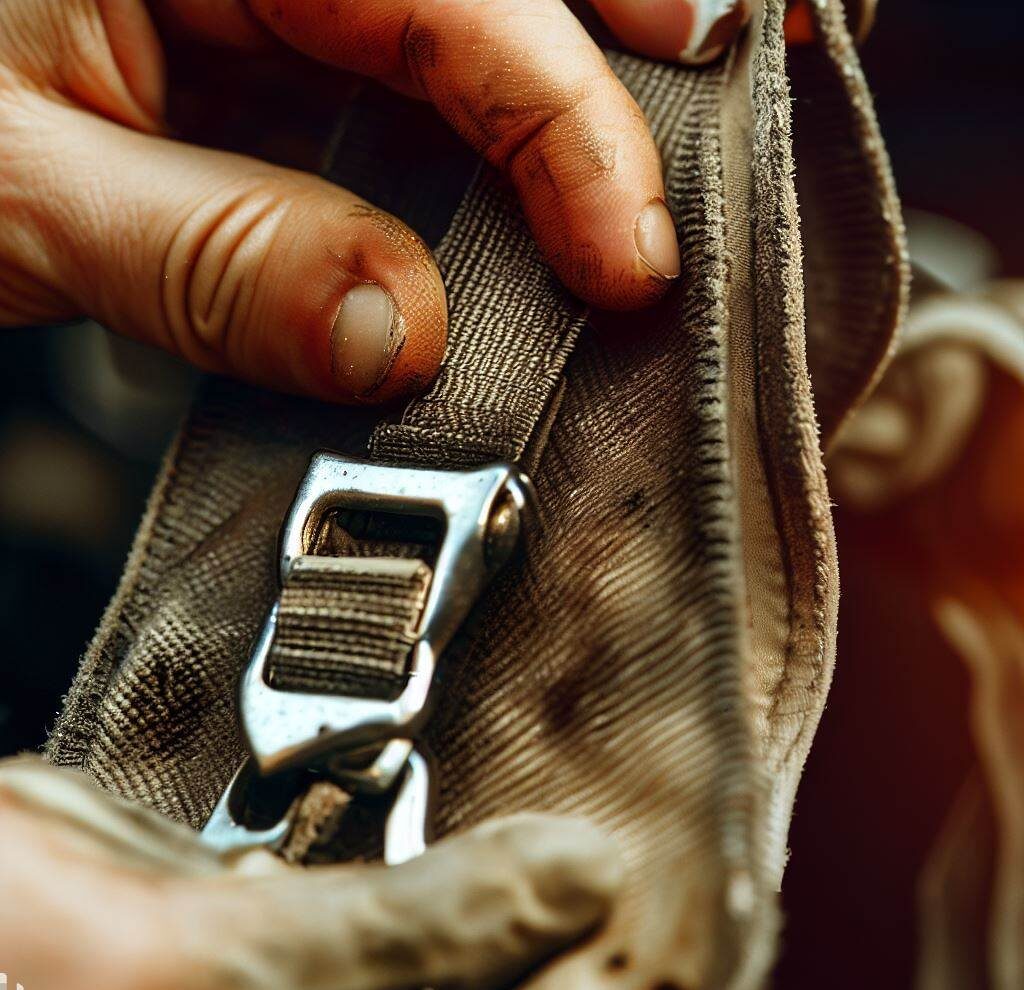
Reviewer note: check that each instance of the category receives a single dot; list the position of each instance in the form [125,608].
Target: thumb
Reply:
[242,268]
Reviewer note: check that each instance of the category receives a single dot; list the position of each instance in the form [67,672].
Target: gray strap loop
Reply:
[512,328]
[346,625]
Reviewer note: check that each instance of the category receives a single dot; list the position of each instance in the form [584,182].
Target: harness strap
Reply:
[346,625]
[512,326]
[512,330]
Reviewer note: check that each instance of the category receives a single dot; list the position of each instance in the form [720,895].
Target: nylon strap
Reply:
[512,327]
[348,624]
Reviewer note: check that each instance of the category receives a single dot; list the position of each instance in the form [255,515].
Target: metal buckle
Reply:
[225,832]
[481,512]
[407,826]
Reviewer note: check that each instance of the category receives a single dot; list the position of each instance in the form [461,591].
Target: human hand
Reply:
[100,893]
[278,277]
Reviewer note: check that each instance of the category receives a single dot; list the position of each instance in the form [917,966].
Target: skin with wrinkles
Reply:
[159,910]
[240,266]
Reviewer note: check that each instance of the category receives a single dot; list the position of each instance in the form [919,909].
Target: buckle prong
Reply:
[406,825]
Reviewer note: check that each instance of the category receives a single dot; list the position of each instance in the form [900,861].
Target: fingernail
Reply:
[655,236]
[715,24]
[367,334]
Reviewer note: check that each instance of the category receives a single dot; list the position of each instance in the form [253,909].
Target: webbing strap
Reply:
[512,328]
[347,624]
[512,325]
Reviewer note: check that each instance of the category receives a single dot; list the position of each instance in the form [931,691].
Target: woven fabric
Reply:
[849,213]
[660,659]
[512,328]
[347,625]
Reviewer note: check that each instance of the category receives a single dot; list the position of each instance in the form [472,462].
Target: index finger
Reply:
[525,85]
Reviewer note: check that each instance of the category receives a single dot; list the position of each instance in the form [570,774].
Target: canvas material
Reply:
[660,659]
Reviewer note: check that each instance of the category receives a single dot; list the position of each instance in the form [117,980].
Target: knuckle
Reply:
[31,290]
[211,270]
[567,150]
[46,43]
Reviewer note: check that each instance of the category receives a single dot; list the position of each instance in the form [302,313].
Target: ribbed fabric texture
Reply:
[620,671]
[849,215]
[347,625]
[512,328]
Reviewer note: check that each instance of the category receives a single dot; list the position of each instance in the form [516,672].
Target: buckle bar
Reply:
[407,824]
[481,512]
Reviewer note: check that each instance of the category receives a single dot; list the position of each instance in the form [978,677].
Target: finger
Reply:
[526,86]
[218,22]
[104,55]
[110,924]
[690,31]
[67,809]
[474,911]
[243,268]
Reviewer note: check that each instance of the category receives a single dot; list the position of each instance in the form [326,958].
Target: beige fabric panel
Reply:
[764,570]
[855,265]
[612,674]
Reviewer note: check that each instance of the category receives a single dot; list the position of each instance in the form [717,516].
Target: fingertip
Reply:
[378,354]
[419,347]
[375,315]
[693,32]
[633,268]
[366,336]
[591,187]
[659,29]
[657,245]
[716,25]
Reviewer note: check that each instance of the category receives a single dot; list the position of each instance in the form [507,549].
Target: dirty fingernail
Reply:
[366,336]
[716,23]
[656,243]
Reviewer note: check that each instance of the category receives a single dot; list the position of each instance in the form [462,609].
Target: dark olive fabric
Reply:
[347,625]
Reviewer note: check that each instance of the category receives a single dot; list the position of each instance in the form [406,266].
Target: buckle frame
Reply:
[482,512]
[401,767]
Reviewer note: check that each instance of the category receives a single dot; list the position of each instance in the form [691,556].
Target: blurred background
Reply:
[84,422]
[893,747]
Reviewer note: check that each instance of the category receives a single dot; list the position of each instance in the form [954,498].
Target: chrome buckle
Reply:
[407,826]
[225,832]
[481,511]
